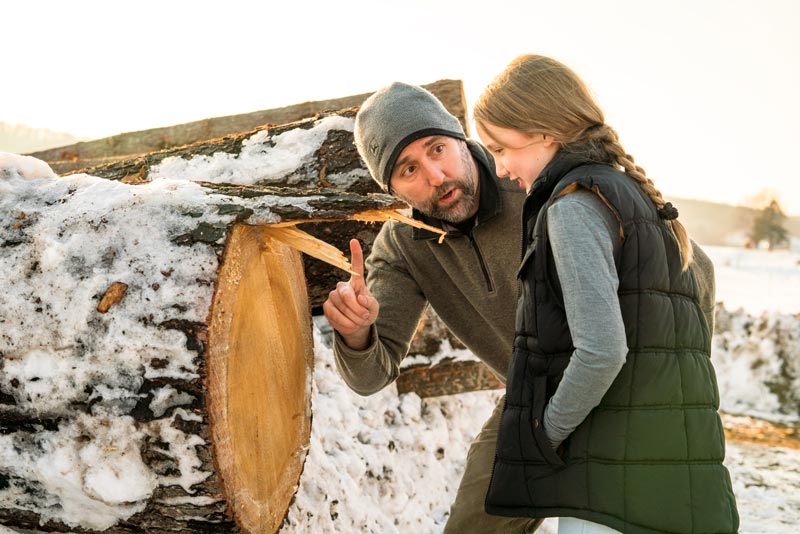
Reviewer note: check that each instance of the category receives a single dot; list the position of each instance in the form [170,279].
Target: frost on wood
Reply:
[102,400]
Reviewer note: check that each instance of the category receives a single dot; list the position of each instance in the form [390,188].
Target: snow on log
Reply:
[265,155]
[155,347]
[101,151]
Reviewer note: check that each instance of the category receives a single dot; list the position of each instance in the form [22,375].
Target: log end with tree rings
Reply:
[260,360]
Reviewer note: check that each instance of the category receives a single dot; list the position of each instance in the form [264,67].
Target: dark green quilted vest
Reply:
[649,457]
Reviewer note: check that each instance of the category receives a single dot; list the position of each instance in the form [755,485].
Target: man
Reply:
[418,152]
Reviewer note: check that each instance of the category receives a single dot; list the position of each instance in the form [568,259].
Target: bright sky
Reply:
[702,92]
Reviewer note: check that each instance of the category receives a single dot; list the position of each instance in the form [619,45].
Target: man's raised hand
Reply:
[350,308]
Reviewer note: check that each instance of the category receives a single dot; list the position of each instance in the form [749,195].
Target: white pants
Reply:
[573,525]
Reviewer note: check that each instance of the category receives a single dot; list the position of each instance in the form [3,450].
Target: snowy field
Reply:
[757,280]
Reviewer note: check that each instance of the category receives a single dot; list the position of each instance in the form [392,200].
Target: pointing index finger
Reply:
[357,258]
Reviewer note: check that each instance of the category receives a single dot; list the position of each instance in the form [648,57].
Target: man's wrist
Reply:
[359,340]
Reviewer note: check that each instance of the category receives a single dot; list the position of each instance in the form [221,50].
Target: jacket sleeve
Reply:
[704,274]
[391,282]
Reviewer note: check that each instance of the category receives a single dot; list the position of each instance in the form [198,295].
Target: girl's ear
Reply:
[549,140]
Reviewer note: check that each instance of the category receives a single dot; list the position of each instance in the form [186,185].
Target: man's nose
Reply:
[434,174]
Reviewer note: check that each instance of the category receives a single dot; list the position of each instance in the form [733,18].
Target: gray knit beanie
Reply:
[394,117]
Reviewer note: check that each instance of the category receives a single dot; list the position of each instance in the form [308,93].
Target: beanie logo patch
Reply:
[373,147]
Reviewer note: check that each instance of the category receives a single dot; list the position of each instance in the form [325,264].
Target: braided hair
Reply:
[539,95]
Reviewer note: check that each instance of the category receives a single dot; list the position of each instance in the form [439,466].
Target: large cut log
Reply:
[92,153]
[154,352]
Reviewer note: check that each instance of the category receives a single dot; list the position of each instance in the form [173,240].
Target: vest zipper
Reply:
[489,285]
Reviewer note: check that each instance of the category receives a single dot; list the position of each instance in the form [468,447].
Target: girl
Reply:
[611,416]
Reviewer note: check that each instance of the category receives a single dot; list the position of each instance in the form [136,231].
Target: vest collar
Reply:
[543,188]
[563,161]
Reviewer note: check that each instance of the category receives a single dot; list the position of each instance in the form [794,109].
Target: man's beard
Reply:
[460,210]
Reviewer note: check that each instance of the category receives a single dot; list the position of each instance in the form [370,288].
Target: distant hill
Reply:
[710,223]
[19,139]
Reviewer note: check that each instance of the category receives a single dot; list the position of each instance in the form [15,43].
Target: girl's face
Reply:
[517,155]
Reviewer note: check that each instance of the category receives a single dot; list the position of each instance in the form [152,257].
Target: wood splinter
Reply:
[388,215]
[296,238]
[289,234]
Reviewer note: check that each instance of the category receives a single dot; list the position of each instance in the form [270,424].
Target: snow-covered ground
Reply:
[757,280]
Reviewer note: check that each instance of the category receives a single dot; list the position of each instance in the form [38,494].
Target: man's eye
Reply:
[408,171]
[439,148]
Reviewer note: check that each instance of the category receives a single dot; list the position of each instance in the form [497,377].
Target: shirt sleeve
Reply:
[704,274]
[401,306]
[584,235]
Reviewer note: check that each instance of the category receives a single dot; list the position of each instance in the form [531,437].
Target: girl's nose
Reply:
[502,172]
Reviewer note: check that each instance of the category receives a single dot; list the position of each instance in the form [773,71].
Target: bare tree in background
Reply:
[769,226]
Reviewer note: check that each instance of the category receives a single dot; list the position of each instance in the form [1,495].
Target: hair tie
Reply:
[668,212]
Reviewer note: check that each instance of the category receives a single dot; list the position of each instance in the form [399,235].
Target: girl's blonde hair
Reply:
[538,95]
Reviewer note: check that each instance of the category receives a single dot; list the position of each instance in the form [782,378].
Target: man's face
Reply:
[437,176]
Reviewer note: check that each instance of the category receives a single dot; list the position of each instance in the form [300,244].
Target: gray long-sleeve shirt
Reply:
[584,237]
